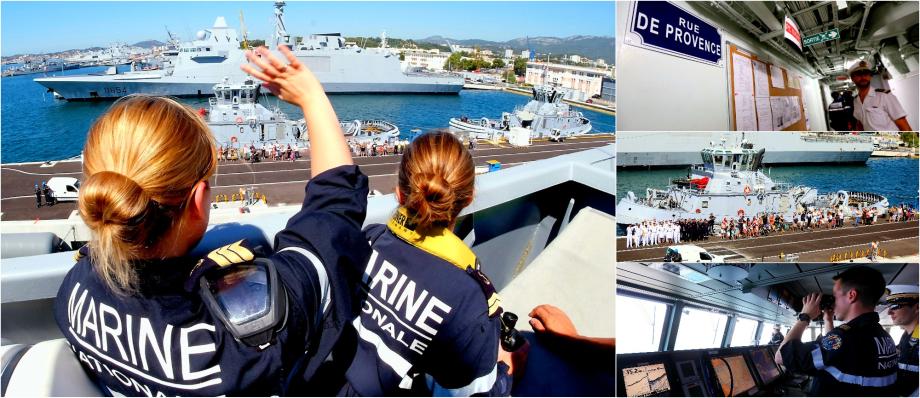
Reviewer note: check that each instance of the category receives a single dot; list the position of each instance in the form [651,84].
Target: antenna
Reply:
[243,30]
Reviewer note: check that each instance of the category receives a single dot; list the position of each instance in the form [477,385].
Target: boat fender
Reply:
[233,139]
[747,190]
[239,120]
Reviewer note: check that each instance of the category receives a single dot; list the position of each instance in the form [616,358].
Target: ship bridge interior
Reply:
[705,330]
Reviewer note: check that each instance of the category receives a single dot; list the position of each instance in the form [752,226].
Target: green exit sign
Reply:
[821,37]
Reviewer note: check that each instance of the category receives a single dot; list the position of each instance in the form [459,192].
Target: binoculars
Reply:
[827,302]
[511,338]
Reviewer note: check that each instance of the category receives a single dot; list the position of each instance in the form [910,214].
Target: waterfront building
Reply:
[432,60]
[586,80]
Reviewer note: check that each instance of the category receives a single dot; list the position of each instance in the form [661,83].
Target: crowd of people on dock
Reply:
[253,153]
[378,147]
[292,152]
[902,213]
[654,232]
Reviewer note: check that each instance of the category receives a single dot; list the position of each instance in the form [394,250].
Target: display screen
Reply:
[687,369]
[737,381]
[696,391]
[765,365]
[643,381]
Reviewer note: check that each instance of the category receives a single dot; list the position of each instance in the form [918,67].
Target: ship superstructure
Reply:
[216,54]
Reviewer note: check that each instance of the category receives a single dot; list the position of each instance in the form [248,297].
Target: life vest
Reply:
[442,243]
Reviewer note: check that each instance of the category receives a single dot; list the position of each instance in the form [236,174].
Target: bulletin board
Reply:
[764,96]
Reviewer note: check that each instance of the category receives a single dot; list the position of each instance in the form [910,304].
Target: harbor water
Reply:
[36,127]
[893,177]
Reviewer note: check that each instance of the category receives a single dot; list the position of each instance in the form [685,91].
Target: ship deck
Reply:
[896,241]
[282,182]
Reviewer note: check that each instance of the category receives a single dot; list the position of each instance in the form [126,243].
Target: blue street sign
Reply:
[665,27]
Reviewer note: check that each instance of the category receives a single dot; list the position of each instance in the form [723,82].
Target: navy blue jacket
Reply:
[858,358]
[424,327]
[164,341]
[908,358]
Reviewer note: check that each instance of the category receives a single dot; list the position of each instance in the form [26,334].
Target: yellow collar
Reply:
[916,333]
[438,241]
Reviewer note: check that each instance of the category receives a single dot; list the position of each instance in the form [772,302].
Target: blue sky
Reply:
[39,27]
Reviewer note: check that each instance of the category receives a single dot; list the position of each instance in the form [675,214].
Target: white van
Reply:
[691,254]
[64,189]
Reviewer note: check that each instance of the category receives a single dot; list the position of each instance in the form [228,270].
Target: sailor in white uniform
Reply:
[646,234]
[629,236]
[875,109]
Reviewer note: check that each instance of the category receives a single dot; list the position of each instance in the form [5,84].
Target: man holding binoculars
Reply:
[856,358]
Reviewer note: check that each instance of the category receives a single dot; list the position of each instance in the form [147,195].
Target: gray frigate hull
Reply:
[666,149]
[90,88]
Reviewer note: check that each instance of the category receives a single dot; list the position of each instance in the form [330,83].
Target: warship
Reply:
[729,184]
[236,118]
[216,53]
[680,150]
[544,116]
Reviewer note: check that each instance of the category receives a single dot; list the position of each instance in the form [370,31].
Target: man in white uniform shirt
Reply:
[629,236]
[875,110]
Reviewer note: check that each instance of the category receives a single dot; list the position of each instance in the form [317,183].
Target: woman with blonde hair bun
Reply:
[441,330]
[145,318]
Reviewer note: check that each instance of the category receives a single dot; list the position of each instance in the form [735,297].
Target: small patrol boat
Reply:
[730,184]
[545,116]
[236,117]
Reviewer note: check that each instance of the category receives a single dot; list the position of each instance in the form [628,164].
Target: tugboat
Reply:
[730,184]
[236,117]
[545,116]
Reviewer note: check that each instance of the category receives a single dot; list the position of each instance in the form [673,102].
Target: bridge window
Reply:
[743,334]
[700,329]
[810,334]
[766,334]
[640,322]
[896,332]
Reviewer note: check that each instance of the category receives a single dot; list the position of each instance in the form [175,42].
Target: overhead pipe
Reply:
[765,15]
[862,26]
[909,53]
[892,54]
[807,9]
[727,10]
